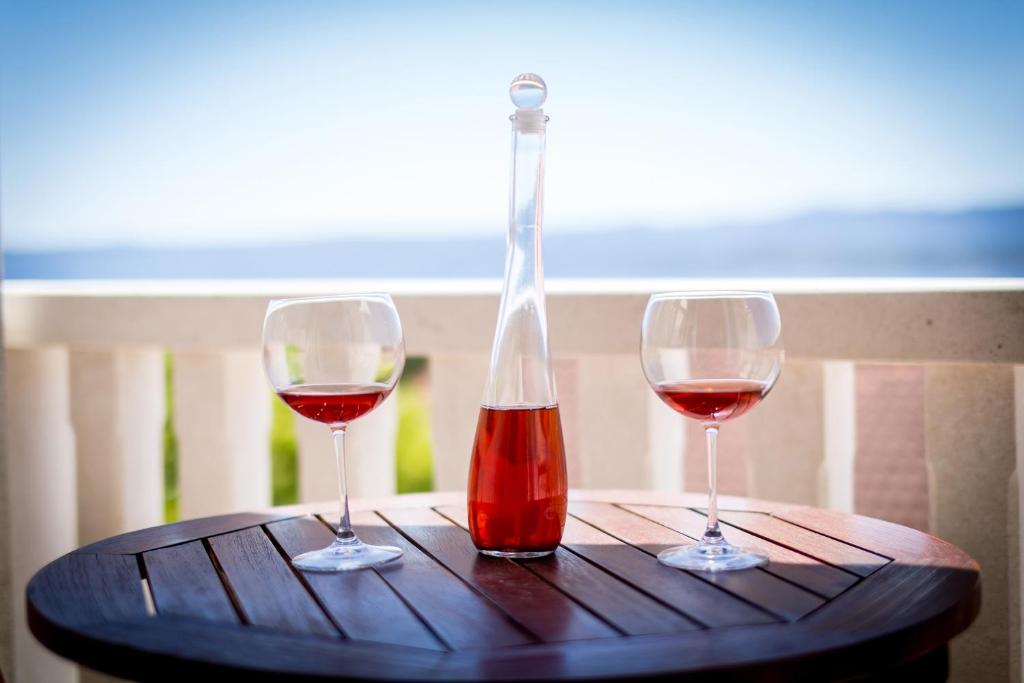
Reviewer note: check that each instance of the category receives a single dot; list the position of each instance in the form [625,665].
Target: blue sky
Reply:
[150,123]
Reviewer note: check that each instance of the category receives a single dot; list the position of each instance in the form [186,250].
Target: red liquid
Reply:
[712,399]
[334,404]
[518,489]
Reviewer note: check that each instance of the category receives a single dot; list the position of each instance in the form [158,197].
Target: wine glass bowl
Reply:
[711,356]
[333,359]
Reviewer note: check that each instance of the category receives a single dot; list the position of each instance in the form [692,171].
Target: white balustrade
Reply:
[1016,545]
[666,446]
[117,411]
[370,447]
[6,593]
[567,386]
[90,354]
[971,455]
[456,389]
[612,399]
[222,417]
[318,478]
[786,434]
[840,423]
[42,498]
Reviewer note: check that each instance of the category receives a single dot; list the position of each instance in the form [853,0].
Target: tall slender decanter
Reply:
[517,482]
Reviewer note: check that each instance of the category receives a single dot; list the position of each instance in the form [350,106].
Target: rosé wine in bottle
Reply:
[518,488]
[518,502]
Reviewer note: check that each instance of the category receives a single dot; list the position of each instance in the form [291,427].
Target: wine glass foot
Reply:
[344,557]
[711,557]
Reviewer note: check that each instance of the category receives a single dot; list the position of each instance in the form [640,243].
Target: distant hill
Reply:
[970,243]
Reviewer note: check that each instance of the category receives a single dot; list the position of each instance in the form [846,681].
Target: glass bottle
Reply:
[518,489]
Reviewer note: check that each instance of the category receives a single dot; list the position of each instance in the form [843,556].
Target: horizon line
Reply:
[563,230]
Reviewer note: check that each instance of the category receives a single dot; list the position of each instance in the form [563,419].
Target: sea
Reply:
[976,243]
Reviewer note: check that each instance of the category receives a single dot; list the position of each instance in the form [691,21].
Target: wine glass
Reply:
[711,356]
[333,359]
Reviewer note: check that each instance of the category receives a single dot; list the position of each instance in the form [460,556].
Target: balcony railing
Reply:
[85,410]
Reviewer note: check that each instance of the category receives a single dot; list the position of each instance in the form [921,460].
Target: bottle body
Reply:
[518,481]
[518,487]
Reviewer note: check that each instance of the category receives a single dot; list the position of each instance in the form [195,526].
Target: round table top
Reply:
[843,596]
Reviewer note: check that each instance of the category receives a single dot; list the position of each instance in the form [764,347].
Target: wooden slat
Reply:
[266,588]
[460,616]
[545,611]
[445,498]
[898,593]
[690,500]
[757,587]
[182,649]
[184,581]
[619,604]
[697,599]
[85,588]
[360,602]
[181,532]
[807,572]
[882,539]
[735,654]
[823,547]
[927,576]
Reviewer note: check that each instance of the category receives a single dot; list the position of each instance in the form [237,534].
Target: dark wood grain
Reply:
[794,653]
[459,615]
[698,599]
[758,587]
[362,604]
[180,532]
[803,570]
[86,588]
[928,577]
[818,545]
[629,610]
[591,602]
[267,590]
[178,649]
[79,592]
[877,537]
[184,581]
[542,609]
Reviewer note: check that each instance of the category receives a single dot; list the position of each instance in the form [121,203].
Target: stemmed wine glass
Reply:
[333,359]
[711,356]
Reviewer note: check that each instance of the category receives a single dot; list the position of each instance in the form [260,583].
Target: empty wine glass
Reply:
[333,359]
[711,356]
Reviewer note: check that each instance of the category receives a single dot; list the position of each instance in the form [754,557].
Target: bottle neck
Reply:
[527,195]
[525,263]
[520,364]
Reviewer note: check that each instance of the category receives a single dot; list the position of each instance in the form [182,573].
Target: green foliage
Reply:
[414,451]
[294,358]
[284,454]
[170,445]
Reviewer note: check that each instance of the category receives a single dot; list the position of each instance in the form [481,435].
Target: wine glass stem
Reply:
[712,534]
[345,533]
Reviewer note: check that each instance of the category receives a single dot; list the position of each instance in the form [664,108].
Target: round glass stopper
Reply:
[528,91]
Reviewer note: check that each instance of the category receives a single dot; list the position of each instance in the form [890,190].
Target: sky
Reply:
[219,122]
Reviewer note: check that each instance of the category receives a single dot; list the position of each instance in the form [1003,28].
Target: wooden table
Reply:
[844,596]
